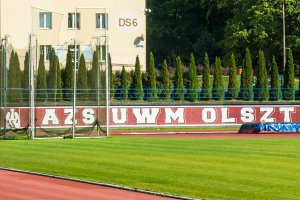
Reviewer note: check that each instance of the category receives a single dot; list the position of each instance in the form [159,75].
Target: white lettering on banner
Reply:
[225,118]
[247,115]
[267,113]
[69,119]
[146,115]
[287,113]
[115,115]
[88,116]
[172,116]
[209,115]
[50,115]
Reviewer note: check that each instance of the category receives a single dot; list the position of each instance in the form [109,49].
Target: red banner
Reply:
[149,116]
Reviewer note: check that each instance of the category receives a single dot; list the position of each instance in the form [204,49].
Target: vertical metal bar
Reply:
[98,82]
[107,74]
[284,42]
[31,89]
[4,83]
[74,82]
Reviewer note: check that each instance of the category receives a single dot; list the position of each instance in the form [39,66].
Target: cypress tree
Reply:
[232,84]
[218,88]
[124,84]
[52,76]
[248,77]
[242,81]
[11,77]
[41,87]
[1,74]
[137,81]
[111,78]
[178,84]
[59,95]
[288,90]
[275,91]
[25,78]
[193,79]
[68,80]
[261,85]
[93,79]
[206,88]
[166,94]
[152,78]
[18,82]
[82,79]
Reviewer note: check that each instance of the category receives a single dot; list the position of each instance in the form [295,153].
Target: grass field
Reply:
[210,169]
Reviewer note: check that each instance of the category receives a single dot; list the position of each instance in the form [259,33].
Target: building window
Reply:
[45,51]
[45,20]
[101,20]
[74,20]
[72,50]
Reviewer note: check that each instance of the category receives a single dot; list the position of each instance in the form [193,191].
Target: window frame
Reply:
[72,23]
[44,16]
[102,19]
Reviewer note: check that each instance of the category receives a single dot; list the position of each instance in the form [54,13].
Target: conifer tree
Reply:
[166,83]
[1,73]
[232,83]
[111,78]
[14,78]
[193,79]
[288,90]
[247,77]
[152,78]
[124,84]
[218,88]
[68,80]
[52,76]
[82,79]
[261,85]
[93,79]
[178,84]
[206,88]
[275,91]
[25,78]
[59,95]
[137,81]
[18,86]
[41,86]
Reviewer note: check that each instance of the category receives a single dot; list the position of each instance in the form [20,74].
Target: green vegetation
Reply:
[261,85]
[137,81]
[232,84]
[209,169]
[82,83]
[124,84]
[218,88]
[288,89]
[206,85]
[111,77]
[166,83]
[152,78]
[68,77]
[247,78]
[178,83]
[25,78]
[193,86]
[41,86]
[275,91]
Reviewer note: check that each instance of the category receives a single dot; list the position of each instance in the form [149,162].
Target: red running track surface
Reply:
[21,186]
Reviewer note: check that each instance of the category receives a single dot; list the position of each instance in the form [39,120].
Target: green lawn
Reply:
[210,169]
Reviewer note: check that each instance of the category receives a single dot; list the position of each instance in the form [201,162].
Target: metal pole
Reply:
[107,74]
[284,42]
[31,89]
[75,77]
[98,83]
[4,83]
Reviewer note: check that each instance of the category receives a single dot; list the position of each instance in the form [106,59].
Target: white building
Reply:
[56,23]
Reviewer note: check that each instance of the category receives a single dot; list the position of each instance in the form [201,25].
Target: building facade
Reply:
[59,23]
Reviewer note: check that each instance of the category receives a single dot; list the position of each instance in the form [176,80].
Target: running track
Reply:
[20,186]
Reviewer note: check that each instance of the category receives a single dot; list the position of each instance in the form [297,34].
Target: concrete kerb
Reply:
[100,184]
